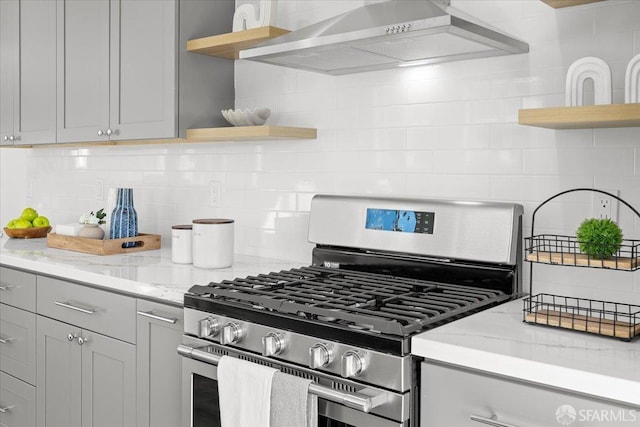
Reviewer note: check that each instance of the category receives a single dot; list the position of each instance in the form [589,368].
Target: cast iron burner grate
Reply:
[359,300]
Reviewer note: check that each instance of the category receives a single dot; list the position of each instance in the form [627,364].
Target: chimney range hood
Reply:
[386,35]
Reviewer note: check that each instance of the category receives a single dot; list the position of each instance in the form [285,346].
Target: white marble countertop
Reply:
[146,274]
[497,341]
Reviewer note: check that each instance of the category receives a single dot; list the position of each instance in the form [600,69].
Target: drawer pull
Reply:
[73,307]
[5,287]
[6,409]
[6,340]
[493,421]
[150,315]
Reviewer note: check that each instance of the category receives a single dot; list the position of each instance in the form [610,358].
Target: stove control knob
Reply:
[273,344]
[208,327]
[352,364]
[320,355]
[231,333]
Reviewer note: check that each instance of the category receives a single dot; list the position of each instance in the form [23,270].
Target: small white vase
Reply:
[91,231]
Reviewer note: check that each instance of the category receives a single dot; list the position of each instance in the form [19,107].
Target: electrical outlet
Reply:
[605,206]
[214,193]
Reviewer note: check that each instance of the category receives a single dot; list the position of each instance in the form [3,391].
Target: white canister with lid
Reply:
[212,243]
[181,244]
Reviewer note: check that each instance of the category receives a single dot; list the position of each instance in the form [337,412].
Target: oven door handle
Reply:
[357,401]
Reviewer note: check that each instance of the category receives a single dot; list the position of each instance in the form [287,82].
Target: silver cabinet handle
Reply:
[73,307]
[6,409]
[82,341]
[100,133]
[5,288]
[353,400]
[109,132]
[71,337]
[6,340]
[12,138]
[5,138]
[150,315]
[493,421]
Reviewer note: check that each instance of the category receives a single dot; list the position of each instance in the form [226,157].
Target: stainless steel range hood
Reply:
[386,35]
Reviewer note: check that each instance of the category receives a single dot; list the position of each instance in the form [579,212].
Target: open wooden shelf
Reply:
[590,116]
[250,133]
[557,4]
[229,45]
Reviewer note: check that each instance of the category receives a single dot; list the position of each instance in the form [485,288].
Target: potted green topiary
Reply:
[599,238]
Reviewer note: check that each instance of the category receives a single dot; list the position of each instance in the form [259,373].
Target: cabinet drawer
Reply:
[18,288]
[100,311]
[20,399]
[451,396]
[18,343]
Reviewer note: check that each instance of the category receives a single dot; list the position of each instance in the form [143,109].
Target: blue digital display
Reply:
[400,220]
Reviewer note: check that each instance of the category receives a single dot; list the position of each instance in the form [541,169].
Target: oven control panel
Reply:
[348,361]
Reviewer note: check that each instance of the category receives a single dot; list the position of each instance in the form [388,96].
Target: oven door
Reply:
[200,401]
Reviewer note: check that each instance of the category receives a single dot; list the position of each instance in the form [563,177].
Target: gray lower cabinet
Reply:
[27,72]
[124,73]
[17,348]
[453,396]
[84,378]
[159,382]
[17,402]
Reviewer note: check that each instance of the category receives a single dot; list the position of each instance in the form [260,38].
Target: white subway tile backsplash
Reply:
[599,161]
[481,162]
[444,131]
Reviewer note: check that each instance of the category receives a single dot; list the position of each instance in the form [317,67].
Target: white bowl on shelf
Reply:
[246,116]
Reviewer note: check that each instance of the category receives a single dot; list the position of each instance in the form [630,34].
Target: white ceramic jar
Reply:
[212,243]
[181,244]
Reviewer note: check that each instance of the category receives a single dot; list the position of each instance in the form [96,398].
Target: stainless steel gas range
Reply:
[383,269]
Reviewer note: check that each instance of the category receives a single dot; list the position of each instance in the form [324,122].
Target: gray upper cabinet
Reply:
[124,73]
[83,70]
[27,72]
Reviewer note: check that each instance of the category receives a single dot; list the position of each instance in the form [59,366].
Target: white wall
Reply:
[445,131]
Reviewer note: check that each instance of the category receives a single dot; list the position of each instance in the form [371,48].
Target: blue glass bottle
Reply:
[124,219]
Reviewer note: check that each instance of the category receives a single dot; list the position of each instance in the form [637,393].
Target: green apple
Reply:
[12,223]
[41,221]
[29,214]
[23,223]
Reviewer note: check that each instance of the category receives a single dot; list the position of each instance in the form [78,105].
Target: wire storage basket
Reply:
[604,318]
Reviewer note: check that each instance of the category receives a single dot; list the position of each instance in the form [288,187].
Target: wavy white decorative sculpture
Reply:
[632,81]
[588,68]
[246,18]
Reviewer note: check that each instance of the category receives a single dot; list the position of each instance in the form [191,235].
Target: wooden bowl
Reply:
[27,233]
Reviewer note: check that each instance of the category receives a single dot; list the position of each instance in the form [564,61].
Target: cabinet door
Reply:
[452,396]
[143,69]
[58,374]
[8,66]
[18,343]
[35,106]
[108,382]
[18,400]
[83,70]
[159,365]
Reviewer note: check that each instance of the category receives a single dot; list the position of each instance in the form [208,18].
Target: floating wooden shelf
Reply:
[229,45]
[590,116]
[250,133]
[557,4]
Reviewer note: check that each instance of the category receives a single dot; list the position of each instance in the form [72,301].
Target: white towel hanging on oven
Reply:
[291,402]
[245,393]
